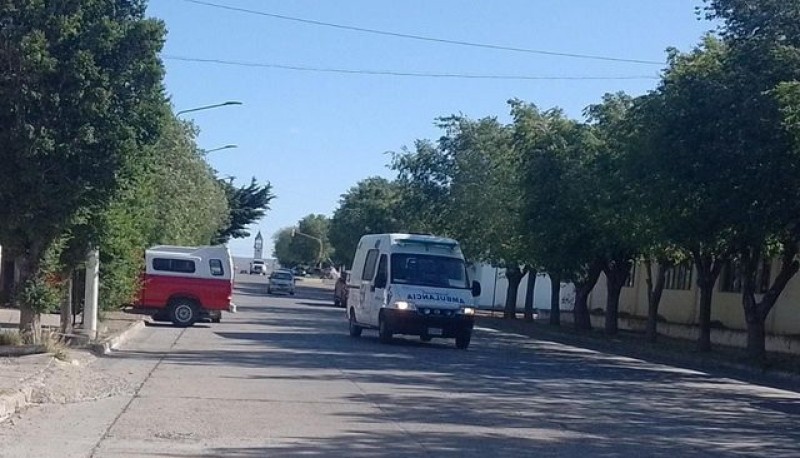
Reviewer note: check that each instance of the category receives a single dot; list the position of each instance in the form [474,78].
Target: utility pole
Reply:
[92,288]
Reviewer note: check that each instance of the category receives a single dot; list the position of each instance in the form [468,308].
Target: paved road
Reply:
[282,378]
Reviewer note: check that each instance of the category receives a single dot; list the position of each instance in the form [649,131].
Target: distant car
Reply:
[340,291]
[299,272]
[281,281]
[258,267]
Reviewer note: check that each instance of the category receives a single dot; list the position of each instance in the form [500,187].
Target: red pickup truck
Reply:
[187,284]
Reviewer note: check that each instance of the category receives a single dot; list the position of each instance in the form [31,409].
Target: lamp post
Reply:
[321,244]
[206,151]
[209,107]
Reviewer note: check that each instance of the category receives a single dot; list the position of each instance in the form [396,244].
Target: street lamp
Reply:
[206,151]
[209,107]
[319,258]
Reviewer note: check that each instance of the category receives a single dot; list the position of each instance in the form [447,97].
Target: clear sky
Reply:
[314,135]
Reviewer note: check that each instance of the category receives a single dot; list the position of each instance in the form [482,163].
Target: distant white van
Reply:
[411,284]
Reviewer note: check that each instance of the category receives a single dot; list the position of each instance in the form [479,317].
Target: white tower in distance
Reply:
[258,247]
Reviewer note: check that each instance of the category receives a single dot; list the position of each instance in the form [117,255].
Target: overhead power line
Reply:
[303,68]
[422,37]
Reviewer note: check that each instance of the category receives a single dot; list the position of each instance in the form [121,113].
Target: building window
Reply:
[679,277]
[631,277]
[184,266]
[730,279]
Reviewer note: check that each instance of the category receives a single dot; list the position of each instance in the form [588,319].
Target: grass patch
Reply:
[10,338]
[54,345]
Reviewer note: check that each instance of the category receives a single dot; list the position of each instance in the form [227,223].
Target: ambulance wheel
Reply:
[184,313]
[462,340]
[355,329]
[384,330]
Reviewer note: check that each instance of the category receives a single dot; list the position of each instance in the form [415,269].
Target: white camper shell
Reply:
[411,284]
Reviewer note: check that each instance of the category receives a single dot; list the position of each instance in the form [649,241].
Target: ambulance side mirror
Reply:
[476,289]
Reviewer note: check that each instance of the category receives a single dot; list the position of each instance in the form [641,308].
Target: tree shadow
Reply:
[508,395]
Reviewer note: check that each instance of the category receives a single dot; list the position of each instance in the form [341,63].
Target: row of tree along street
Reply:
[93,156]
[704,169]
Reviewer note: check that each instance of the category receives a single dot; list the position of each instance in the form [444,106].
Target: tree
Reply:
[189,205]
[470,181]
[761,65]
[80,95]
[558,190]
[247,204]
[300,245]
[284,249]
[370,207]
[621,234]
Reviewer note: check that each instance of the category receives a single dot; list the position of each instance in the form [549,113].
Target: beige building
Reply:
[680,302]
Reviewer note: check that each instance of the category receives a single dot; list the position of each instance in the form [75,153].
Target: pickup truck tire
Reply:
[184,313]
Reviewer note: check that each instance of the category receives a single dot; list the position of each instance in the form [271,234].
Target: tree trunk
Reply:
[755,312]
[555,299]
[66,307]
[654,292]
[514,277]
[30,320]
[708,269]
[583,321]
[529,290]
[617,272]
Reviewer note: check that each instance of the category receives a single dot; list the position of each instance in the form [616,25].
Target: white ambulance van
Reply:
[411,284]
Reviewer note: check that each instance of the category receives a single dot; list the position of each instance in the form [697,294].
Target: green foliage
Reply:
[467,186]
[296,246]
[247,205]
[284,249]
[80,97]
[189,204]
[558,188]
[373,206]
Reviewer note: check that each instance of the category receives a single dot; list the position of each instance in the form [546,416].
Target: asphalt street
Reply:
[283,378]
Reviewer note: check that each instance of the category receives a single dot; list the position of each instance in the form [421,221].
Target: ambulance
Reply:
[411,284]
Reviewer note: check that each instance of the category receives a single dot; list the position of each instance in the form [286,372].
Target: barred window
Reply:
[679,277]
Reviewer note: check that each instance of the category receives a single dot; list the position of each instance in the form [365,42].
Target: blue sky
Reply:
[314,135]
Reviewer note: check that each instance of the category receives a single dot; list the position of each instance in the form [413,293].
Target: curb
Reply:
[13,402]
[110,343]
[23,350]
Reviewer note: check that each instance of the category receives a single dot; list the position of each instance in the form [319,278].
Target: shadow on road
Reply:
[507,395]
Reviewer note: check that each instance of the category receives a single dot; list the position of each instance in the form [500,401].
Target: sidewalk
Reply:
[36,377]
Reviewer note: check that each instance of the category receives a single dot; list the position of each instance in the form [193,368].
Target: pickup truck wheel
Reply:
[384,330]
[355,329]
[184,313]
[462,339]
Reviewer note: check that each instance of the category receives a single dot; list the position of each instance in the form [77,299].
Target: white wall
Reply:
[494,286]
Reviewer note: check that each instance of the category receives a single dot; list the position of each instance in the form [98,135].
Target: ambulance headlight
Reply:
[468,311]
[404,305]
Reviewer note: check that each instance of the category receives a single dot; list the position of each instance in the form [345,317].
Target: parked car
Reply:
[340,291]
[258,267]
[187,284]
[281,281]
